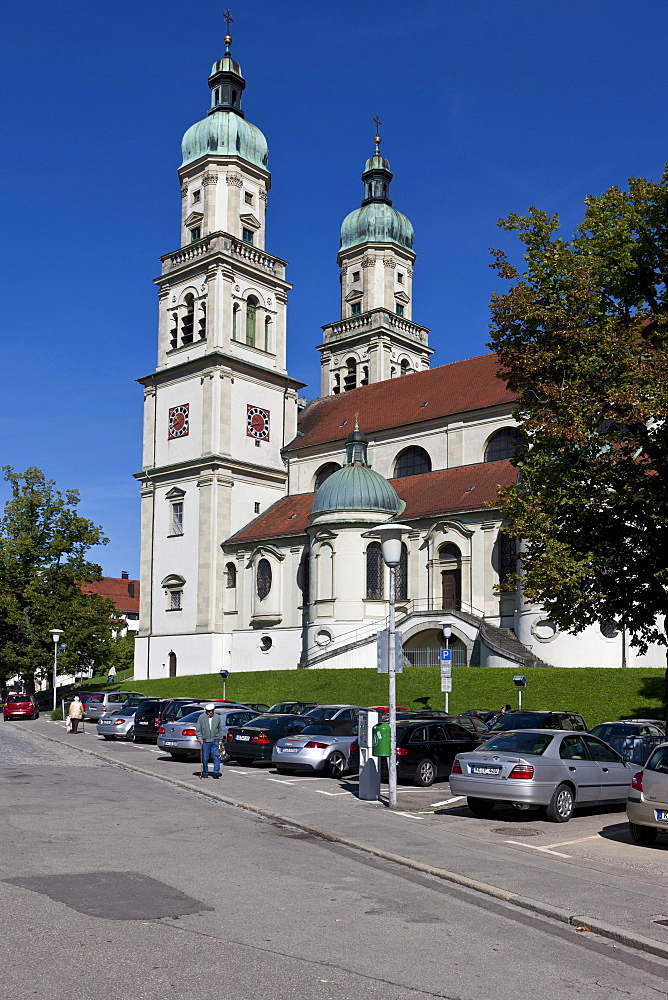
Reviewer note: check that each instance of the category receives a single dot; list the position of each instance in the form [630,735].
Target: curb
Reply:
[579,921]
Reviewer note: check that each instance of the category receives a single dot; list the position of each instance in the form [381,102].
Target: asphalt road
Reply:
[115,885]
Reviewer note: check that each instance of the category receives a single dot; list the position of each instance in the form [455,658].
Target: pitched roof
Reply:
[448,491]
[456,388]
[124,593]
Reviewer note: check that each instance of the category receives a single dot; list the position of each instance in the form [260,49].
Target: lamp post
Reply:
[447,632]
[55,634]
[389,536]
[224,674]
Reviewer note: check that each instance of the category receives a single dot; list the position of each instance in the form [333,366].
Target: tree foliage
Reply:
[43,546]
[582,338]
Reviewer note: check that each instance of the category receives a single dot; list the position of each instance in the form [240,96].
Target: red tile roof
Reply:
[124,593]
[456,388]
[448,491]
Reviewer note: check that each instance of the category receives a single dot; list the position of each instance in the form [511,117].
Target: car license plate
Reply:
[242,737]
[478,769]
[662,814]
[143,723]
[288,749]
[105,722]
[169,743]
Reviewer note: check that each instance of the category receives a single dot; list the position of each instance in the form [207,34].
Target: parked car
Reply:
[101,703]
[179,738]
[426,749]
[634,741]
[540,720]
[256,739]
[537,767]
[147,720]
[647,804]
[177,708]
[291,707]
[335,713]
[472,723]
[257,706]
[120,725]
[20,706]
[659,723]
[323,746]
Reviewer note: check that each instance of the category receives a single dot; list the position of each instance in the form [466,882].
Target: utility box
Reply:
[369,786]
[382,740]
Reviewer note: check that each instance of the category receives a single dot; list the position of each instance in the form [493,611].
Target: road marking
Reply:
[565,843]
[151,750]
[246,774]
[407,815]
[280,781]
[446,802]
[545,850]
[320,791]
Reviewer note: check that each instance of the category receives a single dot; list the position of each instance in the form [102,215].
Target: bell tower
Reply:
[220,405]
[376,338]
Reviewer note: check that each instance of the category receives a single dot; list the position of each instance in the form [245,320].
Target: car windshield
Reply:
[658,761]
[322,713]
[18,697]
[319,730]
[280,708]
[518,720]
[535,743]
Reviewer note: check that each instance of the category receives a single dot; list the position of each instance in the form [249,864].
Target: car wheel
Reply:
[130,735]
[561,805]
[335,765]
[425,773]
[645,835]
[480,807]
[108,738]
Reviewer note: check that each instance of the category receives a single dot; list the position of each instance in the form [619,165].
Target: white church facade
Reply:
[255,507]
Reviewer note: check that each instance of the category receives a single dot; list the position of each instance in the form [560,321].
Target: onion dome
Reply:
[376,221]
[356,486]
[225,131]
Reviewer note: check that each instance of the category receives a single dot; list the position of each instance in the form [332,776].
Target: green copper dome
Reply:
[376,222]
[356,487]
[225,131]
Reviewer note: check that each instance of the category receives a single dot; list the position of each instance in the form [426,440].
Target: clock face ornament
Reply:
[179,421]
[257,423]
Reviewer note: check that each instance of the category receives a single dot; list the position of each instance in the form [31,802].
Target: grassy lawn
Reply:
[599,695]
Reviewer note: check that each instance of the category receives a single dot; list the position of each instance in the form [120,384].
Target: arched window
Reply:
[405,366]
[235,322]
[324,472]
[230,576]
[401,577]
[304,577]
[450,559]
[374,572]
[507,555]
[188,320]
[350,378]
[412,461]
[202,321]
[504,444]
[325,563]
[172,664]
[263,578]
[251,317]
[267,333]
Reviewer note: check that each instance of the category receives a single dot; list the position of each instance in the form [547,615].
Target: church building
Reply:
[255,507]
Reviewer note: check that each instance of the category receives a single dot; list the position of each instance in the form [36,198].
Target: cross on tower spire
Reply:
[377,122]
[227,17]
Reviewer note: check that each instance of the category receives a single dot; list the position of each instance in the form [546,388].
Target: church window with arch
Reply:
[374,572]
[504,444]
[401,575]
[413,461]
[263,578]
[251,320]
[230,576]
[350,377]
[188,320]
[323,474]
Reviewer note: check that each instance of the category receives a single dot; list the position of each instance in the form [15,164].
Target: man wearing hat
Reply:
[209,733]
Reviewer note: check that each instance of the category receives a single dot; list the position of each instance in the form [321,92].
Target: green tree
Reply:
[43,546]
[582,340]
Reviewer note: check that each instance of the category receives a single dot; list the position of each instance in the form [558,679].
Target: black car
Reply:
[472,723]
[255,740]
[427,748]
[291,707]
[540,720]
[148,720]
[257,706]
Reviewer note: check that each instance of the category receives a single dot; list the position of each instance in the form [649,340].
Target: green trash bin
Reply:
[380,739]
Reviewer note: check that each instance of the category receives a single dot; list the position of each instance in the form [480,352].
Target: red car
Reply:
[20,706]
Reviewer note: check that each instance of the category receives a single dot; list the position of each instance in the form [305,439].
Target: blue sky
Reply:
[488,107]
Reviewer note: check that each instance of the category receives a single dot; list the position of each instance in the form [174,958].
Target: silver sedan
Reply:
[320,747]
[541,767]
[180,738]
[117,726]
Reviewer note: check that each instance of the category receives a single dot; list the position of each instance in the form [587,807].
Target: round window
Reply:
[263,578]
[266,642]
[323,637]
[609,630]
[544,630]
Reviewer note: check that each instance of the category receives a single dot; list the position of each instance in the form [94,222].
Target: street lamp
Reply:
[390,536]
[55,634]
[224,674]
[447,632]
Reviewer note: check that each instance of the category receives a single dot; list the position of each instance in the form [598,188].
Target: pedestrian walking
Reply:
[75,713]
[112,675]
[209,733]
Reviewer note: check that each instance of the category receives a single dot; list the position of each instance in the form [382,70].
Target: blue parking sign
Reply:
[446,656]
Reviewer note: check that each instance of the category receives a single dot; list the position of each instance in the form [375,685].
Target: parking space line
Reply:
[321,791]
[407,815]
[565,843]
[446,802]
[246,774]
[281,781]
[544,850]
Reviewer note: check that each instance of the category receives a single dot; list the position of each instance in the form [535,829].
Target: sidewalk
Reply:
[586,872]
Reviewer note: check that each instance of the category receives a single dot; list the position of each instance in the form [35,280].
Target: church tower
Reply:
[375,339]
[220,405]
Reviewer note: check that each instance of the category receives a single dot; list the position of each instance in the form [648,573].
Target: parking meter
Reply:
[369,787]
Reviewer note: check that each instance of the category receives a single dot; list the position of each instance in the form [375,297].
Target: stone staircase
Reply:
[504,642]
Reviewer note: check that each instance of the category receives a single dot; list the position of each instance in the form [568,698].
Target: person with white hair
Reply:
[75,713]
[209,734]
